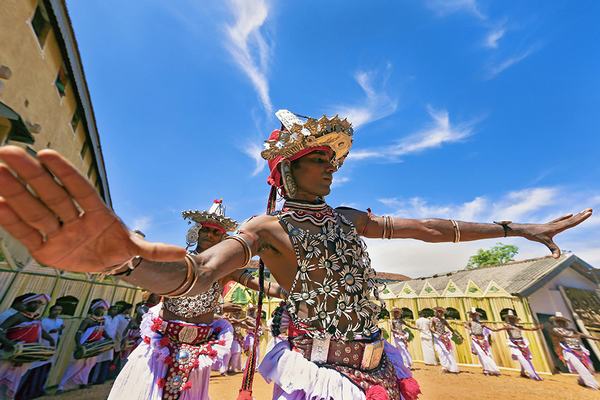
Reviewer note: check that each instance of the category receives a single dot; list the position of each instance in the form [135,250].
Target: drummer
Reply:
[22,327]
[90,330]
[34,381]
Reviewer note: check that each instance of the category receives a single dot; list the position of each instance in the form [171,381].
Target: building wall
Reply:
[548,300]
[31,89]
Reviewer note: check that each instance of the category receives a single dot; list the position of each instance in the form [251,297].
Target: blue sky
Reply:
[474,110]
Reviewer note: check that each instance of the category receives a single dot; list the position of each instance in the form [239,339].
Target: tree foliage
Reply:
[499,254]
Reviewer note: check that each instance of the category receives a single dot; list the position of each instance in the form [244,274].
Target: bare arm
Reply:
[243,276]
[442,230]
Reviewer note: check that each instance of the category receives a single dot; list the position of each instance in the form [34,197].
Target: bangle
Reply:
[191,278]
[456,231]
[247,250]
[385,228]
[245,277]
[504,225]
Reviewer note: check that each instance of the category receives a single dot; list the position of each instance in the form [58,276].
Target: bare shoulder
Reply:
[259,224]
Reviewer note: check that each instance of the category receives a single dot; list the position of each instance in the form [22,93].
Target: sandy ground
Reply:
[434,385]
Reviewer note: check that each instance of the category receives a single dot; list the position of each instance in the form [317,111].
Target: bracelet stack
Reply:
[388,227]
[190,280]
[456,231]
[247,250]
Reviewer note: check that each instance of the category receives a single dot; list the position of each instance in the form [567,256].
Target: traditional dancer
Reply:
[402,336]
[34,382]
[91,330]
[570,350]
[518,345]
[22,327]
[423,324]
[480,343]
[182,339]
[329,289]
[442,341]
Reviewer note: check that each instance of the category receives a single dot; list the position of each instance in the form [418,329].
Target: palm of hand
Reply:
[545,233]
[62,220]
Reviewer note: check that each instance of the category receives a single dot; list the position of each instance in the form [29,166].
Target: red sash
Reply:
[26,334]
[96,335]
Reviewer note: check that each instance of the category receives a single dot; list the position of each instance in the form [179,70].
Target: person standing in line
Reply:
[423,324]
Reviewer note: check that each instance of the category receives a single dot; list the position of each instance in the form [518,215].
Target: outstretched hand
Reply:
[544,233]
[56,213]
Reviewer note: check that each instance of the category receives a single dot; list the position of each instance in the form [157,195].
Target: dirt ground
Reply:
[434,385]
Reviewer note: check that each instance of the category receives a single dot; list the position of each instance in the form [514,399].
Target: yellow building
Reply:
[533,289]
[45,103]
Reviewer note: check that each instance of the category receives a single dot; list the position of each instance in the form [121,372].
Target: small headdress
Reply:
[213,218]
[474,311]
[511,316]
[44,298]
[558,317]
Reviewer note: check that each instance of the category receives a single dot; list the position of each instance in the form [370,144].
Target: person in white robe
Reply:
[423,324]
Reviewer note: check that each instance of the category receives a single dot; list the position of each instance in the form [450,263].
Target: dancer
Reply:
[22,327]
[101,371]
[518,345]
[329,289]
[570,350]
[442,341]
[91,331]
[423,324]
[277,319]
[182,339]
[402,336]
[480,343]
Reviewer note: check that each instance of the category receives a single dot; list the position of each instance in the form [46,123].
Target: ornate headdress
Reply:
[298,135]
[213,218]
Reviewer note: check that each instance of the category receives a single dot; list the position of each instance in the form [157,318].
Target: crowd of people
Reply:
[326,340]
[438,338]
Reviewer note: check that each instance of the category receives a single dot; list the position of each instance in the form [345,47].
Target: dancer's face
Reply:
[208,237]
[313,174]
[32,306]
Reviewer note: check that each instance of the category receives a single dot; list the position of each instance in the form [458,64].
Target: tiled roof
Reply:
[514,277]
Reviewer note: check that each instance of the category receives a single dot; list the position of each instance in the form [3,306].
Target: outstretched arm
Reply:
[56,213]
[443,230]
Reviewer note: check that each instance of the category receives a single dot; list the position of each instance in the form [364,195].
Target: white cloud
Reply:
[438,132]
[536,204]
[443,8]
[142,223]
[496,69]
[494,36]
[339,180]
[377,104]
[248,46]
[253,150]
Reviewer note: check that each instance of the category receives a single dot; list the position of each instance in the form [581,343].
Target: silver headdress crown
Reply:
[302,134]
[214,215]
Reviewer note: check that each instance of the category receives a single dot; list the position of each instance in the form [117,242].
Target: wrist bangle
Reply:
[504,225]
[125,268]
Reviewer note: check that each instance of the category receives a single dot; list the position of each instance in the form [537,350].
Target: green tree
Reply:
[499,254]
